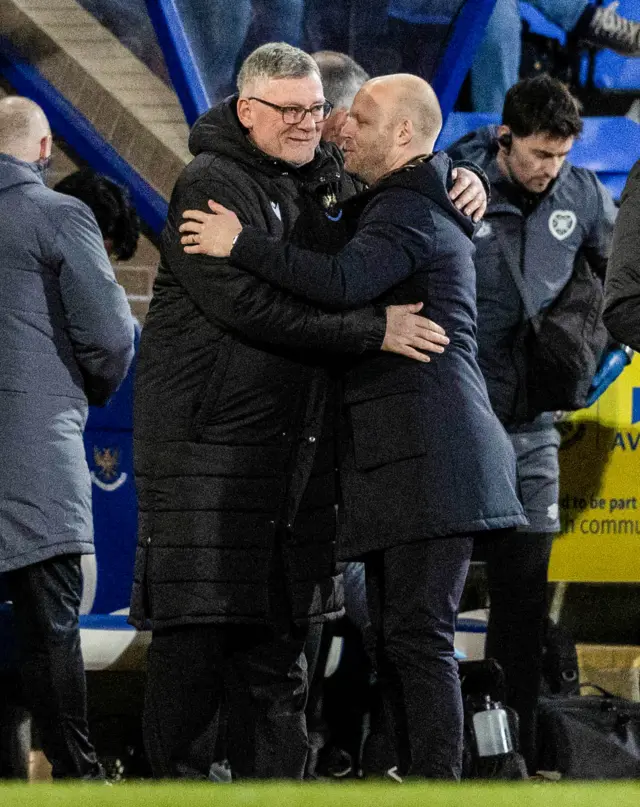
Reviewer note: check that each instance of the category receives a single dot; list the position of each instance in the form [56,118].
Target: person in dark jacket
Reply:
[234,423]
[66,331]
[543,212]
[426,463]
[342,77]
[622,285]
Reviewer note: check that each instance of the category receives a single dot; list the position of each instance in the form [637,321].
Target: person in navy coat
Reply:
[426,463]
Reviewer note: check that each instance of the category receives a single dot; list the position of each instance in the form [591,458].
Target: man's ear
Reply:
[245,115]
[405,132]
[332,127]
[46,144]
[338,119]
[505,137]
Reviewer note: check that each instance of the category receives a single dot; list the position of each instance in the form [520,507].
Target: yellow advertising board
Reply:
[600,488]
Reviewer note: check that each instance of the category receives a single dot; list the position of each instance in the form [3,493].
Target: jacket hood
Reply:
[220,132]
[480,146]
[432,179]
[15,172]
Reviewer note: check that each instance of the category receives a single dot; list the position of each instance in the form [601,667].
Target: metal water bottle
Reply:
[491,727]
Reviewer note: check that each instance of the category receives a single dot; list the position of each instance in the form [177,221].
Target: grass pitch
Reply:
[507,794]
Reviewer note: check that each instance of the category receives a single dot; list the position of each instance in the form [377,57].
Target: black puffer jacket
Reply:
[233,432]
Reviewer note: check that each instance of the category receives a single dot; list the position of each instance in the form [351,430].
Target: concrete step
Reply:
[131,108]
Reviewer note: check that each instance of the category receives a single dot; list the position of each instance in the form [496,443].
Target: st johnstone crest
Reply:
[105,474]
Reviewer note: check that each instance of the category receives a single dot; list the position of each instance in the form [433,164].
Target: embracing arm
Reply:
[383,252]
[240,301]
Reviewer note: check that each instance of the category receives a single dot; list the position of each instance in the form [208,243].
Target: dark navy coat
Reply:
[425,455]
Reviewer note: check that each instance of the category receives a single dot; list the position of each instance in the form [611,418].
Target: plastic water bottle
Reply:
[611,365]
[491,727]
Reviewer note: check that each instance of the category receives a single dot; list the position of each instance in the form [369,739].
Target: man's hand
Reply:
[408,334]
[468,193]
[210,233]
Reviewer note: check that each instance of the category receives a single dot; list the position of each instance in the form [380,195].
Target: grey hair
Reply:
[275,60]
[341,77]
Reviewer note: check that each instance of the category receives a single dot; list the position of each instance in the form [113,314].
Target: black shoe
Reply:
[220,772]
[394,775]
[338,764]
[607,29]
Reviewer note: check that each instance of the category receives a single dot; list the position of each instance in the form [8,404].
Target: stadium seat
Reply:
[539,24]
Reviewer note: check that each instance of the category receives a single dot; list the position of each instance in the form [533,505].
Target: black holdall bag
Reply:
[563,343]
[589,736]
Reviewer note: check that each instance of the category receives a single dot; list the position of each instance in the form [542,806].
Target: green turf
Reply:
[521,794]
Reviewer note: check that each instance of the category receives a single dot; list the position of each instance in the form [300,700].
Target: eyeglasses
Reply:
[296,114]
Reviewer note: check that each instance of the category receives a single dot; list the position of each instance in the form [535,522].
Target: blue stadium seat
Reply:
[613,72]
[539,24]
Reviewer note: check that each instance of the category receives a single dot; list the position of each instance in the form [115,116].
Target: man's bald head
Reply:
[24,129]
[403,95]
[393,120]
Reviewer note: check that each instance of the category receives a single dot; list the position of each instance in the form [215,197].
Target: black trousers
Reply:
[46,602]
[255,677]
[413,593]
[517,569]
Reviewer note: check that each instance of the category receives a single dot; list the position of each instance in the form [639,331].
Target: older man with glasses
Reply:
[234,436]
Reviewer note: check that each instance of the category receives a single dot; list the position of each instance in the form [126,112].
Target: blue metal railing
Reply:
[179,58]
[81,135]
[467,31]
[467,34]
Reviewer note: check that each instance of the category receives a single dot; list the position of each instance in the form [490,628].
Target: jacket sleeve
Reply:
[597,245]
[98,318]
[382,253]
[229,296]
[622,284]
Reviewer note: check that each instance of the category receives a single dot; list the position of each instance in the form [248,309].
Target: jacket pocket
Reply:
[213,387]
[387,430]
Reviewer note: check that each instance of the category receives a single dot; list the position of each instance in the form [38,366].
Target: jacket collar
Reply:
[17,172]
